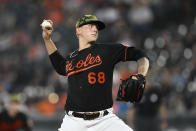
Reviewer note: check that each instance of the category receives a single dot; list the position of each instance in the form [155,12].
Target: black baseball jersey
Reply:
[90,74]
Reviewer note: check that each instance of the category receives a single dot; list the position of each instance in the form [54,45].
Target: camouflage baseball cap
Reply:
[90,19]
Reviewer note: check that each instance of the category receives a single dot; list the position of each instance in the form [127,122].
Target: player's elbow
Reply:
[60,72]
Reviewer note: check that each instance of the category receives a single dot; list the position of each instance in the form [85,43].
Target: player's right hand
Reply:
[47,30]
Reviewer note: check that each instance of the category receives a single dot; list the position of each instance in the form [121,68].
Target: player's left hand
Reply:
[132,88]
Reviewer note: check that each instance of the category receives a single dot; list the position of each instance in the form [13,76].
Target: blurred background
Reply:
[166,29]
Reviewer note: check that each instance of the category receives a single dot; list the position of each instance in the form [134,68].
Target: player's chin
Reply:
[92,40]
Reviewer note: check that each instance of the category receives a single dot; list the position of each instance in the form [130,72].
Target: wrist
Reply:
[47,39]
[144,74]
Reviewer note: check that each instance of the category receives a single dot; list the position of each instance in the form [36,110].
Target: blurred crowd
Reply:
[166,29]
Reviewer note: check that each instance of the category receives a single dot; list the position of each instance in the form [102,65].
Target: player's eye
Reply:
[93,25]
[90,25]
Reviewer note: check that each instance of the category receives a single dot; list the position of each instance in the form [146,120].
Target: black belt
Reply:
[88,115]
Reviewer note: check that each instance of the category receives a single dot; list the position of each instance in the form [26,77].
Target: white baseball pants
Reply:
[109,122]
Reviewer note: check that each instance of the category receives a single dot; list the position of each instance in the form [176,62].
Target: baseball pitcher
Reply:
[89,71]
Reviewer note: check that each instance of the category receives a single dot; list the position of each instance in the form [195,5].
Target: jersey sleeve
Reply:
[58,62]
[116,52]
[134,54]
[123,53]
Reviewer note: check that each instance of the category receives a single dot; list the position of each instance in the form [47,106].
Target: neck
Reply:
[84,44]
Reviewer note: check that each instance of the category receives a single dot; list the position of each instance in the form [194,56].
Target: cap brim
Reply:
[100,24]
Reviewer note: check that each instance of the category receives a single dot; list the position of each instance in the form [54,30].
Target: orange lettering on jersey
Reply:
[69,66]
[79,64]
[92,60]
[98,59]
[87,59]
[82,65]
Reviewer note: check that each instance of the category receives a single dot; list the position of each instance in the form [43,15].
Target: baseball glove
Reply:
[132,89]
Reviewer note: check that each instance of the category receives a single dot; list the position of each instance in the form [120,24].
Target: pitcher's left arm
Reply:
[143,65]
[139,55]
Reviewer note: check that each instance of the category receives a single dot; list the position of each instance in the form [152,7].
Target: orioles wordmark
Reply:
[82,65]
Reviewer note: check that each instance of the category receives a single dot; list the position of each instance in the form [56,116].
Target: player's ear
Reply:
[78,31]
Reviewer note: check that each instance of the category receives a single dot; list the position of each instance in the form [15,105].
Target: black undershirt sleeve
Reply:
[134,54]
[58,62]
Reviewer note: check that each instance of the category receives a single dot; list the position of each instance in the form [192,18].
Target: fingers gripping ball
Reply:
[47,25]
[132,89]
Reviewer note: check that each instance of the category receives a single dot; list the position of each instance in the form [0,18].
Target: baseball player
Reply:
[89,71]
[12,119]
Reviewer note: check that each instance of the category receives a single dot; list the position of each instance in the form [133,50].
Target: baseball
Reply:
[46,24]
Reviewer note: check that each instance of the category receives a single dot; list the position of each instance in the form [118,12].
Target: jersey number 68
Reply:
[93,78]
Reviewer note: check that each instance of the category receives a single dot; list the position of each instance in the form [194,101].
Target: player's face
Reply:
[89,32]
